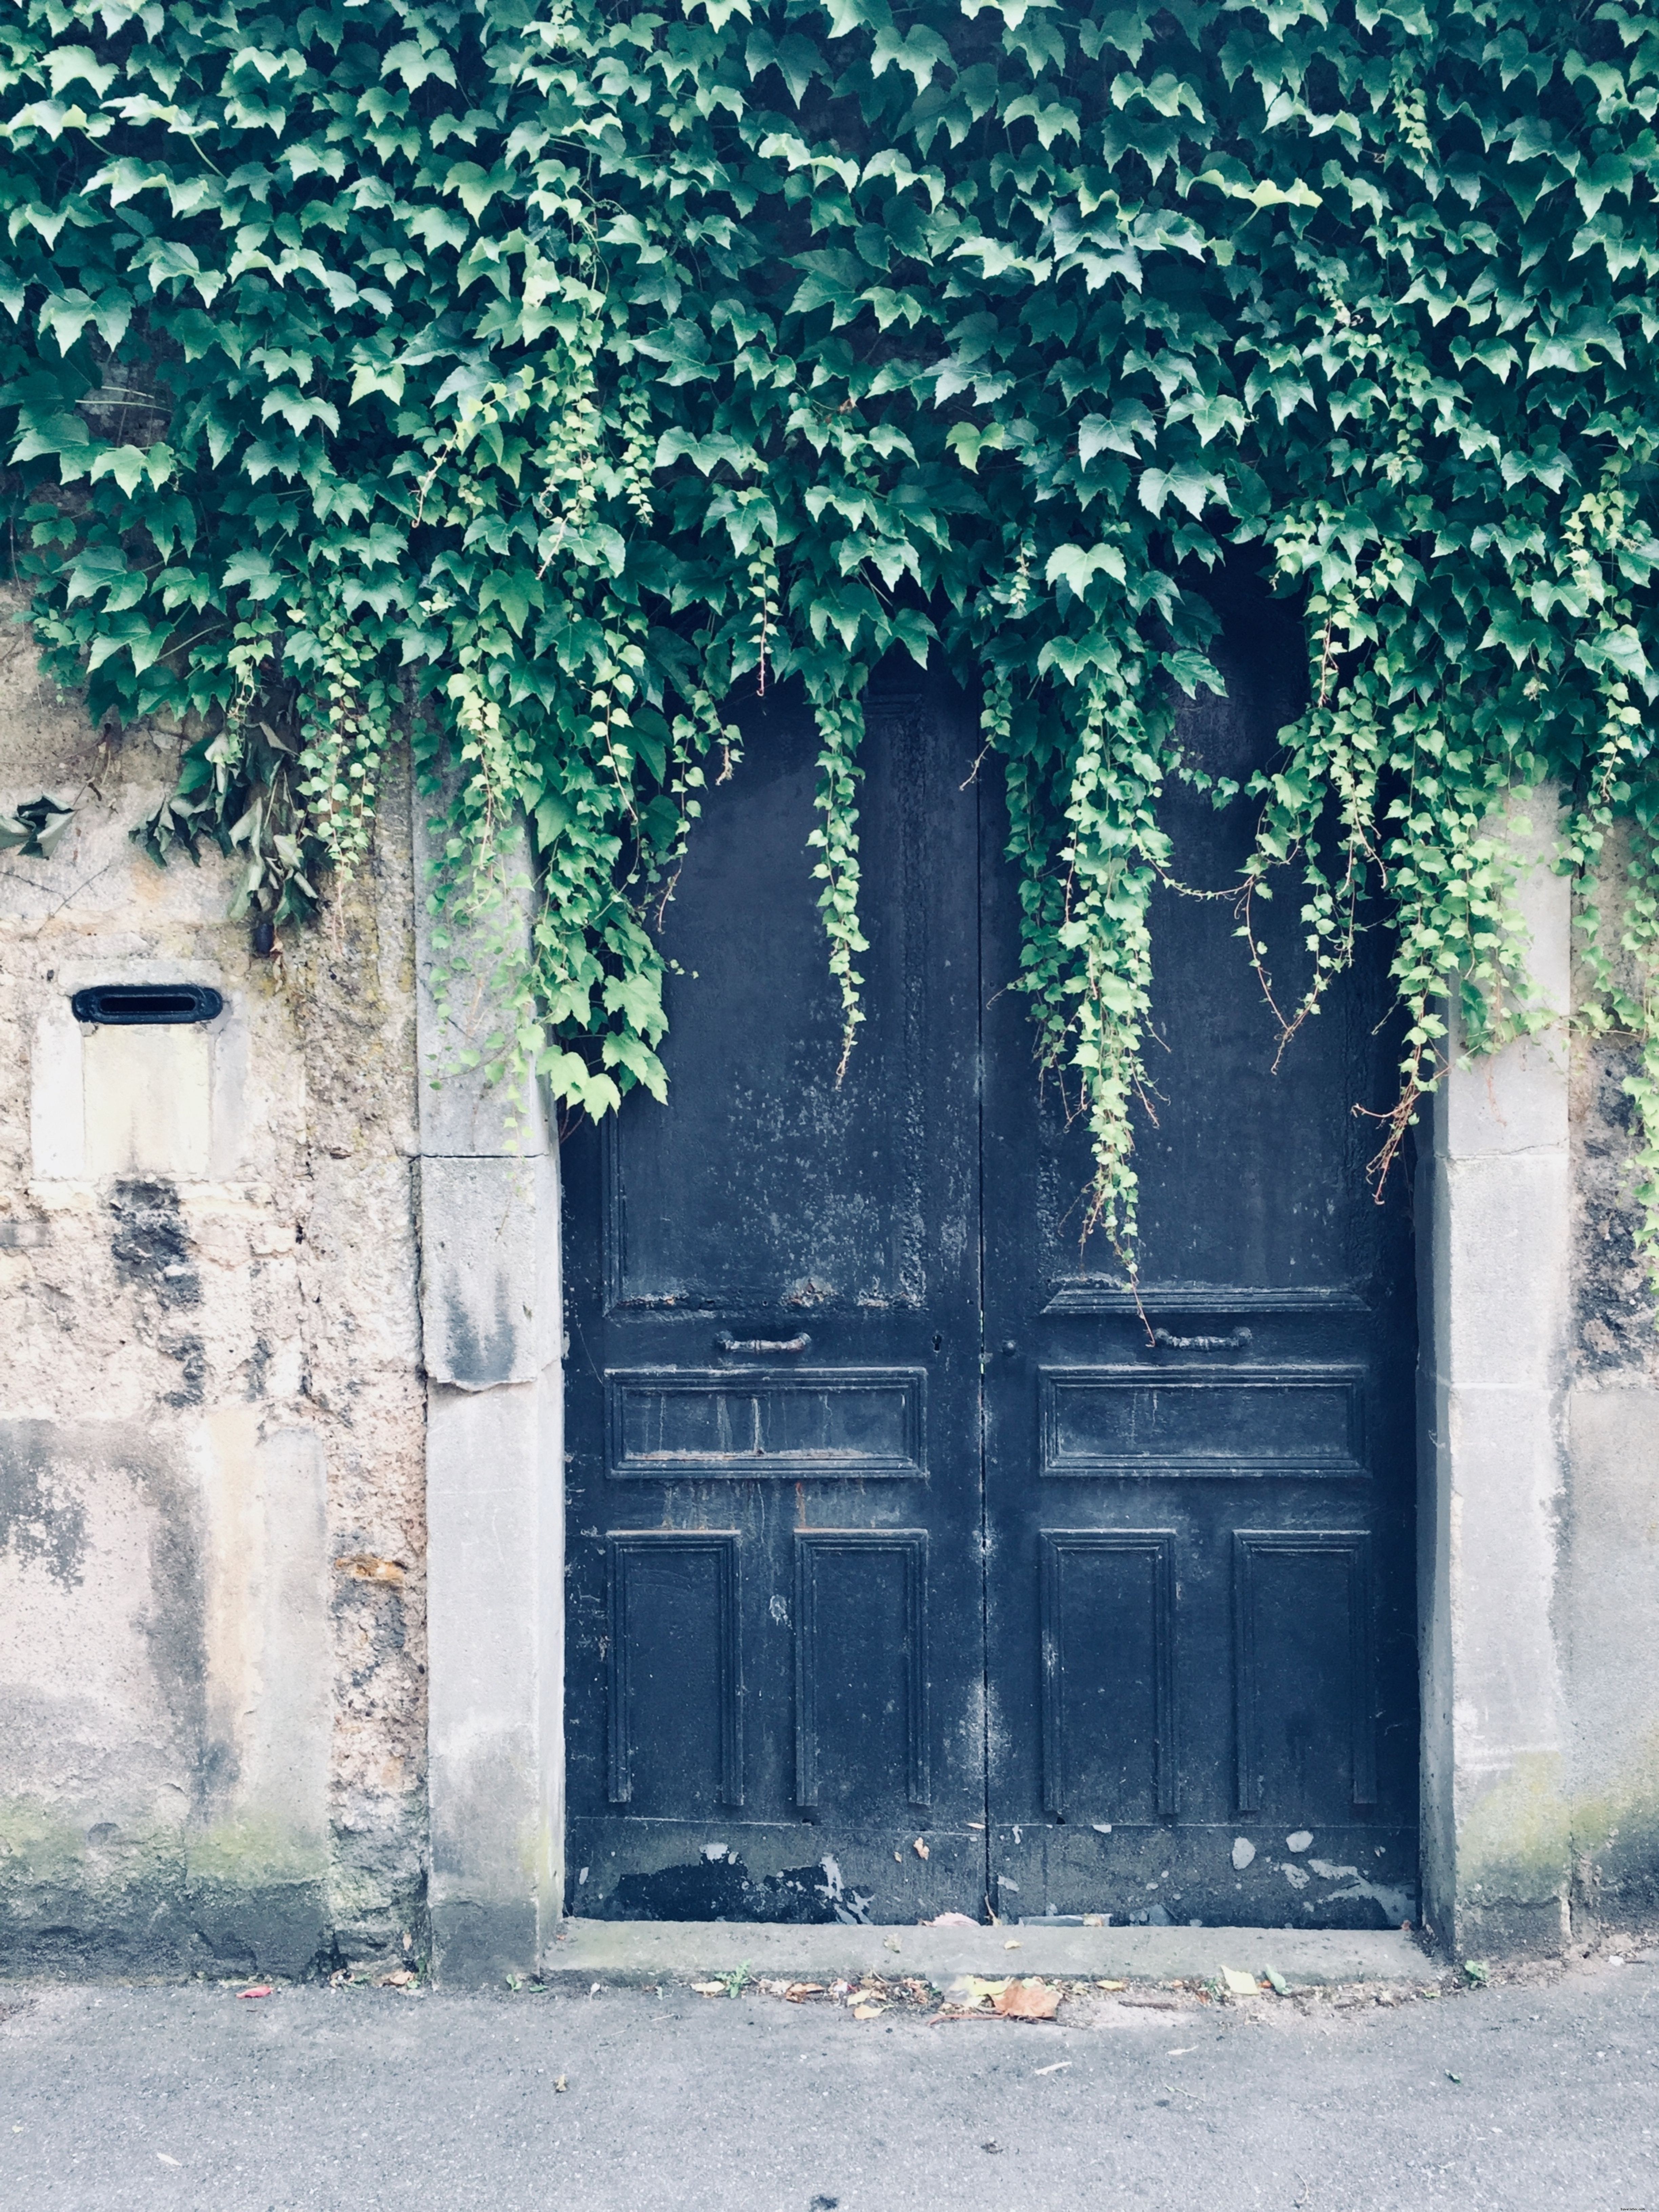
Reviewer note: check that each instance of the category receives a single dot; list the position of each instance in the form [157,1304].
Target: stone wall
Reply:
[1539,1478]
[212,1623]
[1610,1524]
[218,1442]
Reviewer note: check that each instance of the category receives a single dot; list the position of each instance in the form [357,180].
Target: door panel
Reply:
[1200,1627]
[915,1561]
[775,1672]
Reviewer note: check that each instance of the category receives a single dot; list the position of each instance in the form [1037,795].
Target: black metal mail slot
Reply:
[114,1003]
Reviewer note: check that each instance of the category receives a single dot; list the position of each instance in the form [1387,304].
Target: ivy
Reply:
[525,382]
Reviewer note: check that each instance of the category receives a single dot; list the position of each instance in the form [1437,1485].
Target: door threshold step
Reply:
[646,1953]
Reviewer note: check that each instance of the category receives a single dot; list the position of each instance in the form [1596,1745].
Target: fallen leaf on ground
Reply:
[1111,1985]
[867,2012]
[165,2159]
[399,1980]
[920,1848]
[263,1990]
[561,2085]
[973,1989]
[798,1992]
[1030,2000]
[709,1989]
[950,1920]
[1237,1984]
[1010,1945]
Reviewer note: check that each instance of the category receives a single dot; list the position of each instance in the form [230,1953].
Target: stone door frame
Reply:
[1494,1198]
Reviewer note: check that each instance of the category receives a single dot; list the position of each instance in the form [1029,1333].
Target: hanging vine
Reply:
[526,381]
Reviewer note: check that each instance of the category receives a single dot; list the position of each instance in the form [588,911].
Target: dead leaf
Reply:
[920,1849]
[399,1980]
[974,1990]
[260,1990]
[1111,1985]
[1237,1984]
[798,1992]
[950,1920]
[561,2086]
[1031,2000]
[868,2011]
[1010,1945]
[364,1567]
[709,1989]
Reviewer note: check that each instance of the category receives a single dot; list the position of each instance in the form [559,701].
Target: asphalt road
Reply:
[1542,2094]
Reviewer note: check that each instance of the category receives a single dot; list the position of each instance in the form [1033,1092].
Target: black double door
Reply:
[911,1568]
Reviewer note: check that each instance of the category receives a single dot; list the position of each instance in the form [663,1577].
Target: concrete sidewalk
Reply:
[1542,2094]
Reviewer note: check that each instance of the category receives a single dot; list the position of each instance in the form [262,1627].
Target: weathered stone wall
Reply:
[212,1630]
[216,1448]
[1610,1526]
[1539,1476]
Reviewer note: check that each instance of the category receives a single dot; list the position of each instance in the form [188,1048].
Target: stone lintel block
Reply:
[1502,1471]
[460,1112]
[1508,1101]
[489,1309]
[480,1943]
[1516,1100]
[493,1508]
[1490,1926]
[1501,1268]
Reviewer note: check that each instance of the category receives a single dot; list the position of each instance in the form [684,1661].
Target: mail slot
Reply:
[128,1004]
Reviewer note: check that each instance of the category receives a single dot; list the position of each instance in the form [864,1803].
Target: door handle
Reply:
[1235,1342]
[763,1343]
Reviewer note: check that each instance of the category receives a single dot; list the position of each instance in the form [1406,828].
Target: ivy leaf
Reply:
[36,828]
[253,569]
[919,52]
[128,465]
[415,64]
[968,440]
[1192,487]
[1077,567]
[796,60]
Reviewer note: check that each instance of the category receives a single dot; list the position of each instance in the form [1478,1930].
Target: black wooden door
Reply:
[1200,1629]
[905,1573]
[776,1622]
